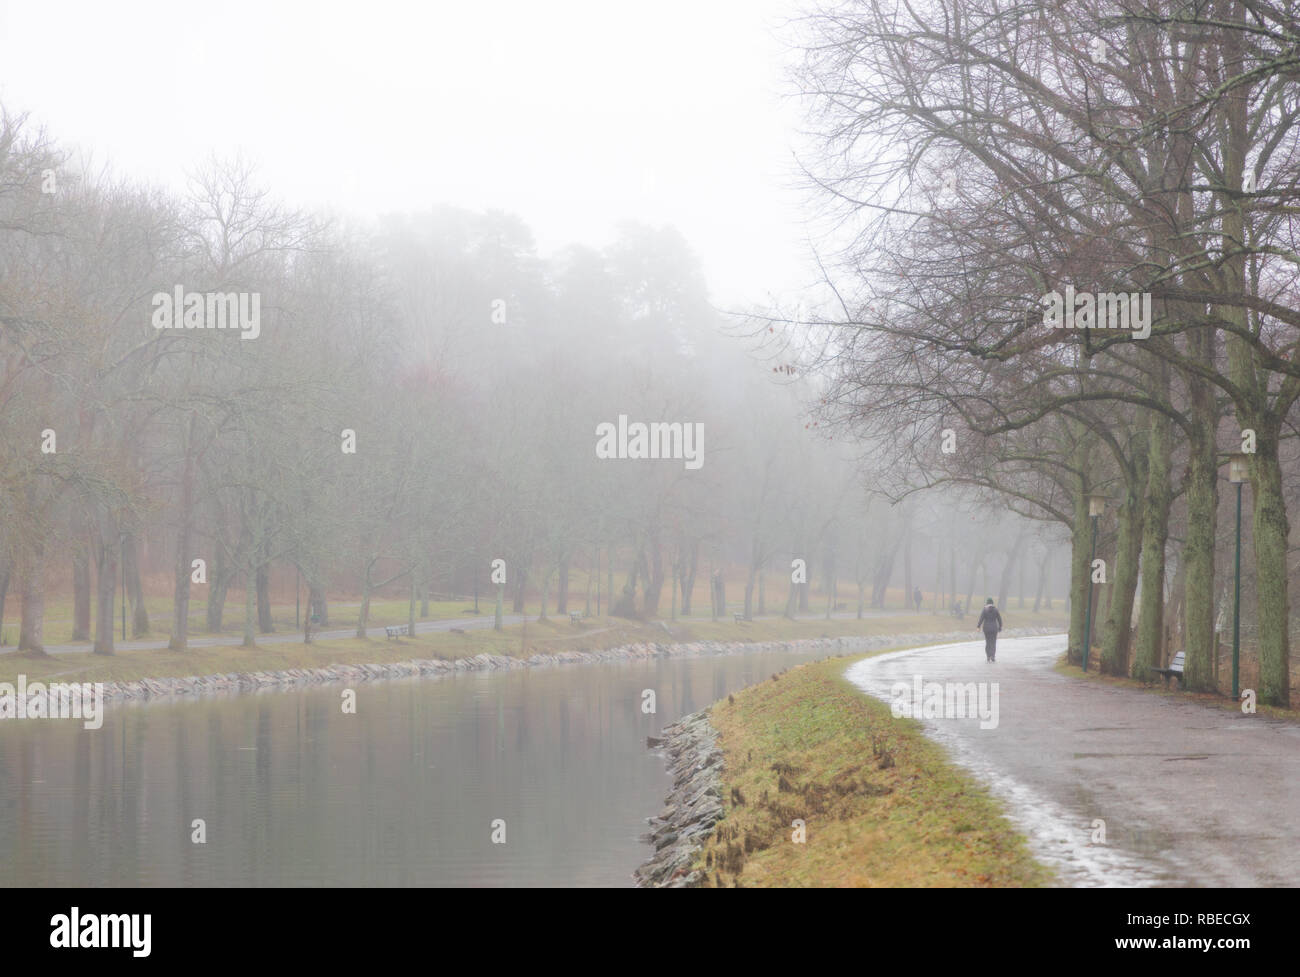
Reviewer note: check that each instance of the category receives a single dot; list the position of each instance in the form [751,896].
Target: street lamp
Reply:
[1238,472]
[1096,506]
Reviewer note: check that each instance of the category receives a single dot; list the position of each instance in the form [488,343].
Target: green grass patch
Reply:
[883,805]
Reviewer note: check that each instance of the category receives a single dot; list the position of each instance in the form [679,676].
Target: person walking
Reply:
[917,598]
[990,623]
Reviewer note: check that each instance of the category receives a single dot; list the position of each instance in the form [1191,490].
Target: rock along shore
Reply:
[694,805]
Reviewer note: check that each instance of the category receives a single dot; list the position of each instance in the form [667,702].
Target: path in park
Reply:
[421,627]
[1190,794]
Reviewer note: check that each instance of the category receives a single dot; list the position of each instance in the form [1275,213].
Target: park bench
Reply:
[739,617]
[397,630]
[1175,668]
[575,617]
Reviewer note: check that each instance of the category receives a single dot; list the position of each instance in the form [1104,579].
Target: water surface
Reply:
[294,792]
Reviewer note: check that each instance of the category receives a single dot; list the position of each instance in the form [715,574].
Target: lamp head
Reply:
[1238,469]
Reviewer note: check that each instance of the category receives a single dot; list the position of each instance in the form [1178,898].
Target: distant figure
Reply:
[957,612]
[991,623]
[916,599]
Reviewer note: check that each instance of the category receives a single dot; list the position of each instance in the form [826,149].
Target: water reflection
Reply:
[294,792]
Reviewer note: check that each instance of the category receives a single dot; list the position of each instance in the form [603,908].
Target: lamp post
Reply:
[1237,475]
[1096,506]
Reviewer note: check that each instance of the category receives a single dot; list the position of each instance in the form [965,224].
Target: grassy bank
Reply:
[1157,686]
[882,804]
[519,640]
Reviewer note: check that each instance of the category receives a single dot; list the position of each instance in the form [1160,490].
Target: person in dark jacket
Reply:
[990,623]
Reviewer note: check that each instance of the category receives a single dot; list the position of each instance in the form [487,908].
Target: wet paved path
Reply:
[1191,795]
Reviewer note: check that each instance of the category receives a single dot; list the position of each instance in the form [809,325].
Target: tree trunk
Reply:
[219,576]
[521,586]
[562,587]
[1013,558]
[179,640]
[654,577]
[80,590]
[1198,550]
[1123,579]
[952,572]
[1020,565]
[317,604]
[907,564]
[134,585]
[884,574]
[250,609]
[754,555]
[1042,579]
[1155,534]
[974,572]
[4,591]
[363,616]
[688,581]
[31,628]
[265,622]
[1080,574]
[105,594]
[1269,527]
[1270,530]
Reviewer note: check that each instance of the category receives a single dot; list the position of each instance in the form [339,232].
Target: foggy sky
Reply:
[573,115]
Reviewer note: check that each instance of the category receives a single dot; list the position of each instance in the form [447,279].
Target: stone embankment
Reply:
[692,808]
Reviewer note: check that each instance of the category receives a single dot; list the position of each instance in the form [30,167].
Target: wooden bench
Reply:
[575,617]
[1175,668]
[397,631]
[739,617]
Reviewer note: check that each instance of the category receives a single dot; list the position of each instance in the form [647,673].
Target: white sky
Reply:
[572,114]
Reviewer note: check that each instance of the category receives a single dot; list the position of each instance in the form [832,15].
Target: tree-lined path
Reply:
[1190,794]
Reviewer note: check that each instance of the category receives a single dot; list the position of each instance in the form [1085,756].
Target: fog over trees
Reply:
[1062,266]
[988,163]
[386,409]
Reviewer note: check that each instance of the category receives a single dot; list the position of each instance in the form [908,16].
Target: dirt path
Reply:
[1190,795]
